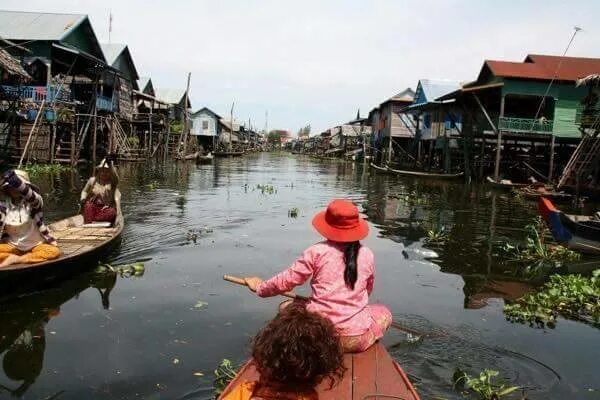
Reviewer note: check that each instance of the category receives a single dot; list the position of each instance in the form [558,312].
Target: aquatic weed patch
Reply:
[571,296]
[125,271]
[224,373]
[46,169]
[536,254]
[482,385]
[266,189]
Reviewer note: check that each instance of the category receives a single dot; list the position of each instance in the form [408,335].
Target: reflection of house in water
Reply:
[479,290]
[22,329]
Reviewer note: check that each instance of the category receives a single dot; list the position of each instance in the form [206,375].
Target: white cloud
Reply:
[318,61]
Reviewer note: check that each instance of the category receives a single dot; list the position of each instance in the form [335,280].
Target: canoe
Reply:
[532,193]
[577,232]
[204,159]
[75,241]
[378,168]
[426,174]
[505,184]
[372,374]
[228,153]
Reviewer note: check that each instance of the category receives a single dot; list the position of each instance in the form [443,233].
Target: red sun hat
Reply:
[341,222]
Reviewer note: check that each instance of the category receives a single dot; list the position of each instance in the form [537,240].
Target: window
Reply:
[204,125]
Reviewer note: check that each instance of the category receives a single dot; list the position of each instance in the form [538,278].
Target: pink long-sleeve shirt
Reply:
[331,297]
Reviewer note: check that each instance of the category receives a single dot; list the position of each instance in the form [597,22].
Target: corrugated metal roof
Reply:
[21,25]
[169,95]
[435,88]
[12,66]
[407,95]
[545,67]
[143,82]
[112,51]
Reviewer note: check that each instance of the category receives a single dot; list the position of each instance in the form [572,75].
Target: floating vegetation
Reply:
[571,296]
[482,385]
[125,271]
[266,189]
[536,252]
[293,212]
[153,185]
[46,169]
[224,374]
[437,235]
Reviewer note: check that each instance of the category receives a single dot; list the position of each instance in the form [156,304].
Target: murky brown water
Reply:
[145,337]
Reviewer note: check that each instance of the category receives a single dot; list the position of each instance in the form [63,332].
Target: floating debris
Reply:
[200,304]
[293,212]
[224,374]
[266,189]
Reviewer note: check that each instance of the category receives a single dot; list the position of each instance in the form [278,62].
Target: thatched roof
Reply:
[10,64]
[593,79]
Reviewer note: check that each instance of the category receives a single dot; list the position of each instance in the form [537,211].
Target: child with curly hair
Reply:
[293,354]
[342,273]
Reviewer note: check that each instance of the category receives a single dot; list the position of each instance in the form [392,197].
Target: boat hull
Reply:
[370,374]
[579,233]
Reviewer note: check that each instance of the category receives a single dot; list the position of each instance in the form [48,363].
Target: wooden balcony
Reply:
[525,125]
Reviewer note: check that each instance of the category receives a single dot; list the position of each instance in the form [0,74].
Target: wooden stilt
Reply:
[551,167]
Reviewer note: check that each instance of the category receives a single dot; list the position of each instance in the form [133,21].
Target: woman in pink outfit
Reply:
[342,272]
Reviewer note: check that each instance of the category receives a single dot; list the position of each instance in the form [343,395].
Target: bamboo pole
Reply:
[551,167]
[37,118]
[185,116]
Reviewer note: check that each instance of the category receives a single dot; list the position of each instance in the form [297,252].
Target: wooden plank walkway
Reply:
[371,375]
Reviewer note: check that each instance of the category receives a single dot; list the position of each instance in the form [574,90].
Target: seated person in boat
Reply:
[24,238]
[342,273]
[293,354]
[100,197]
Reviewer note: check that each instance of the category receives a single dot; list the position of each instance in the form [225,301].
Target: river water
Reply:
[161,335]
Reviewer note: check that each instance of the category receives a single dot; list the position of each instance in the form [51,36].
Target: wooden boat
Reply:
[75,241]
[204,159]
[228,153]
[577,232]
[372,374]
[533,193]
[426,174]
[378,168]
[505,183]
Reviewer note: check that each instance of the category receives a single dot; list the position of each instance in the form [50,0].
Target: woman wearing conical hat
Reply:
[24,238]
[100,198]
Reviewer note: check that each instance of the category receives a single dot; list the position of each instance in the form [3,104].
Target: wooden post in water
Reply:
[551,167]
[185,117]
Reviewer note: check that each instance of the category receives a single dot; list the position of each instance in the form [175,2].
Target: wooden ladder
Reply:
[582,160]
[120,138]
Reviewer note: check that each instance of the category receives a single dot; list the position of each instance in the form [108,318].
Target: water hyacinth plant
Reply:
[536,252]
[46,169]
[571,296]
[224,373]
[482,385]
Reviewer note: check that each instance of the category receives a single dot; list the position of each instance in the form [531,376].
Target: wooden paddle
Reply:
[292,295]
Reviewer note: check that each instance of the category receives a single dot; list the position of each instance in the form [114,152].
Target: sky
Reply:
[319,61]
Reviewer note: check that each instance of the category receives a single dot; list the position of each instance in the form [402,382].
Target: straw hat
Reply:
[341,222]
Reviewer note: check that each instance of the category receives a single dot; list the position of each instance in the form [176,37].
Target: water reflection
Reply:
[24,328]
[191,224]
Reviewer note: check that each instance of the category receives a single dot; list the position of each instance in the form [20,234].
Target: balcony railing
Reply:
[525,125]
[37,94]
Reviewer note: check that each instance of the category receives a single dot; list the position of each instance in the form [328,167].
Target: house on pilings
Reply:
[150,119]
[521,118]
[392,129]
[178,109]
[206,127]
[62,54]
[437,126]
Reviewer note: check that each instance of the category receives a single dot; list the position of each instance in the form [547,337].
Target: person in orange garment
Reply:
[293,354]
[24,238]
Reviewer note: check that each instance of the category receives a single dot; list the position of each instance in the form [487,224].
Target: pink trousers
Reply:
[381,319]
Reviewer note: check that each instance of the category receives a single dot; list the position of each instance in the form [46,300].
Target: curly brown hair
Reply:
[298,349]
